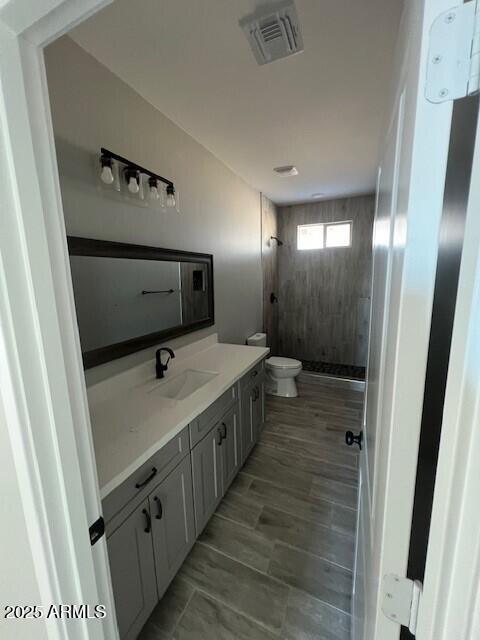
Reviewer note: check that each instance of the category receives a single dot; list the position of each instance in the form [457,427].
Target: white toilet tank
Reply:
[257,340]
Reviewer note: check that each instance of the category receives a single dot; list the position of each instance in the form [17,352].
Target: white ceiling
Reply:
[321,110]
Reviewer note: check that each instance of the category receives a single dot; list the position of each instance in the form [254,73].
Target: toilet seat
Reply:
[283,363]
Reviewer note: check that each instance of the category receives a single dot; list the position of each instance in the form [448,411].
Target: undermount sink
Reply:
[184,384]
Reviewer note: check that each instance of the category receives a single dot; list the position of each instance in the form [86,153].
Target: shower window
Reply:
[324,236]
[338,234]
[310,236]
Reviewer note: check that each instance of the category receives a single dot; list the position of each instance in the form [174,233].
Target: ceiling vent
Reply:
[274,33]
[287,171]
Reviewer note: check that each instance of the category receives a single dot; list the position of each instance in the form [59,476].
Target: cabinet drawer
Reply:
[140,483]
[255,373]
[201,425]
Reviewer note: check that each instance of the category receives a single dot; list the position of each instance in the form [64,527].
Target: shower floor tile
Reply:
[332,369]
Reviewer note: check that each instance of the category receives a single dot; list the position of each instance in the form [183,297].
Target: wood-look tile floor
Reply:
[276,559]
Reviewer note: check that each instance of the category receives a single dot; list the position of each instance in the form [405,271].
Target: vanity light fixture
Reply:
[136,177]
[106,173]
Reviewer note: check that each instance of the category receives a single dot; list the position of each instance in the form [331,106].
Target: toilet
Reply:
[280,372]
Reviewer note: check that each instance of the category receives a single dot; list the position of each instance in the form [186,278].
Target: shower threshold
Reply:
[347,371]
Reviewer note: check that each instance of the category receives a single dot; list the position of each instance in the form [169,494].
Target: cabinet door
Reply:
[132,568]
[247,426]
[173,528]
[207,471]
[258,408]
[230,445]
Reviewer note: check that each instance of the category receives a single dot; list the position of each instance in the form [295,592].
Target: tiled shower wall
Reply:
[324,295]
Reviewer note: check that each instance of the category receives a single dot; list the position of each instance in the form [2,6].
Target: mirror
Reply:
[129,297]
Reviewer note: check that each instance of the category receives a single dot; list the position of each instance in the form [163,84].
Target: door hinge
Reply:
[401,599]
[453,68]
[96,530]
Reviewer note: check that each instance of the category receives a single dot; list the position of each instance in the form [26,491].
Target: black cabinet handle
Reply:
[160,508]
[219,437]
[254,373]
[140,485]
[256,394]
[350,439]
[148,519]
[224,431]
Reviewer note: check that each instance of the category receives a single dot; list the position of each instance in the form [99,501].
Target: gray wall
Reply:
[220,213]
[324,295]
[270,272]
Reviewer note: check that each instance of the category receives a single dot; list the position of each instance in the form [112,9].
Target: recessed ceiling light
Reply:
[317,195]
[286,171]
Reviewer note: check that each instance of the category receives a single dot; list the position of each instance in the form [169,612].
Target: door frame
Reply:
[418,207]
[450,603]
[42,390]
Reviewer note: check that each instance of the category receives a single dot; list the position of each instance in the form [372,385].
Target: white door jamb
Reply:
[450,605]
[42,388]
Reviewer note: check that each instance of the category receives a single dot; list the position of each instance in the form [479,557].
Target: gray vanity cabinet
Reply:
[154,516]
[207,472]
[132,568]
[173,528]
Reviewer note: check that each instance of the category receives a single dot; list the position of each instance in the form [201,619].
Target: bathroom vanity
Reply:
[168,440]
[167,451]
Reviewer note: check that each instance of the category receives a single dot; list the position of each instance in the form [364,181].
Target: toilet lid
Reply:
[283,363]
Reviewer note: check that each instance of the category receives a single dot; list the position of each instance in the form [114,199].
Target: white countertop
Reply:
[130,422]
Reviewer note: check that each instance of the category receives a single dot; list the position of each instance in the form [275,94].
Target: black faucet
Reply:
[161,368]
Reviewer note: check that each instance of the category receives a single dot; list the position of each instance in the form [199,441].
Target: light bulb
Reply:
[133,184]
[153,189]
[106,175]
[170,196]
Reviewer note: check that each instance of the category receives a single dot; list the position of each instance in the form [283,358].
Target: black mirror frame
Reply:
[106,249]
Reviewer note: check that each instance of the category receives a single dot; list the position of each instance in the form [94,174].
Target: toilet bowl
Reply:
[280,376]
